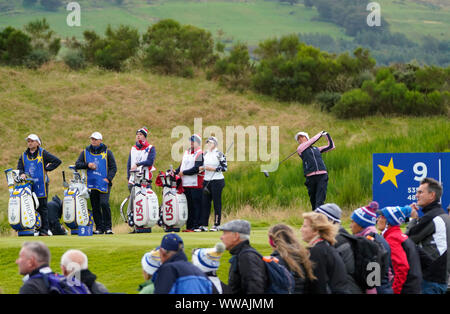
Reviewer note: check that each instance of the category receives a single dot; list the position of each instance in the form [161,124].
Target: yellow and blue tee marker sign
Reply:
[397,176]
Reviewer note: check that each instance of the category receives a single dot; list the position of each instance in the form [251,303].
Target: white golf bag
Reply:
[75,203]
[143,205]
[23,202]
[174,209]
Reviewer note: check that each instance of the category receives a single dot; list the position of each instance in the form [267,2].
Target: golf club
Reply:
[266,173]
[65,184]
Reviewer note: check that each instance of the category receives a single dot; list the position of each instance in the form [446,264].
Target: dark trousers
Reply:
[54,217]
[43,212]
[194,201]
[101,210]
[317,189]
[215,188]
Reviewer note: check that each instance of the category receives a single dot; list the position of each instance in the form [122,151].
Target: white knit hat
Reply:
[208,259]
[151,261]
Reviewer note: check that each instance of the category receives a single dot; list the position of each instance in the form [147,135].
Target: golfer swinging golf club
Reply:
[314,168]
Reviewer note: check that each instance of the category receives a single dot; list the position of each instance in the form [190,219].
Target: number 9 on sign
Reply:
[420,170]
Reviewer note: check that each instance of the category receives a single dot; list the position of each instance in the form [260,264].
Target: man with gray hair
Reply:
[34,258]
[74,263]
[431,233]
[247,273]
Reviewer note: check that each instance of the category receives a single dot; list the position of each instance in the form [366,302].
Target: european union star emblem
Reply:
[390,173]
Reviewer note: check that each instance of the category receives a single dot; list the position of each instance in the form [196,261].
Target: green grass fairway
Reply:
[115,259]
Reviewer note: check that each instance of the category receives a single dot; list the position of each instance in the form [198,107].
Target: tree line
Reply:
[348,85]
[386,46]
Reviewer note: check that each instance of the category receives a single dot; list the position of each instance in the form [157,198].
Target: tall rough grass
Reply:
[65,107]
[349,165]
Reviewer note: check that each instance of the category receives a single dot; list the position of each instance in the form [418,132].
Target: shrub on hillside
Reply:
[234,71]
[387,96]
[292,71]
[172,48]
[37,58]
[15,46]
[353,104]
[75,59]
[437,103]
[114,49]
[431,78]
[44,41]
[327,100]
[405,73]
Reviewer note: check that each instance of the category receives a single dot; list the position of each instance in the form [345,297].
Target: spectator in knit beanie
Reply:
[363,222]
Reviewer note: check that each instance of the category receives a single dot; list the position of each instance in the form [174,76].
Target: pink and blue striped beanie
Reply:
[366,216]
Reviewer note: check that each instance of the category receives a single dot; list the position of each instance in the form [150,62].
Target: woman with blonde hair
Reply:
[294,256]
[329,268]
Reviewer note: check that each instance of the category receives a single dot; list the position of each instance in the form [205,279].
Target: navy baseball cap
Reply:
[172,242]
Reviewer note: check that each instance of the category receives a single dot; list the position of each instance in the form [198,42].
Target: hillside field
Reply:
[249,21]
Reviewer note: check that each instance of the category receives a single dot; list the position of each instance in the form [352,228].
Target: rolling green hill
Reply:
[249,21]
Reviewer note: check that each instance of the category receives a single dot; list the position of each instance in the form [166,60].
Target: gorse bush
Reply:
[37,58]
[75,59]
[327,100]
[42,37]
[32,48]
[172,48]
[15,46]
[114,49]
[385,95]
[292,71]
[235,70]
[355,103]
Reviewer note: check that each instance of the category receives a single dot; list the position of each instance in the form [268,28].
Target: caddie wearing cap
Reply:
[101,169]
[36,162]
[314,168]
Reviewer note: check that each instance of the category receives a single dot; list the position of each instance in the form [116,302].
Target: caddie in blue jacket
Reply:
[37,162]
[176,275]
[101,169]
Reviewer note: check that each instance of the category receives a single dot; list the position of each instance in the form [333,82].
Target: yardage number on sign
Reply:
[396,177]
